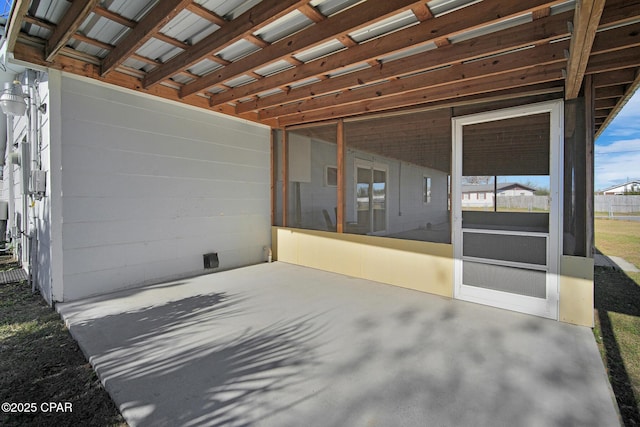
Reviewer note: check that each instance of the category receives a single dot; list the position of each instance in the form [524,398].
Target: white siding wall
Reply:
[149,186]
[43,254]
[40,209]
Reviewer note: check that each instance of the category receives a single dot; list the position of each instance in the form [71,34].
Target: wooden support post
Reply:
[341,177]
[589,101]
[285,177]
[273,172]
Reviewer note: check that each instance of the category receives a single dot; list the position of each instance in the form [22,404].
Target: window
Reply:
[426,189]
[482,196]
[331,176]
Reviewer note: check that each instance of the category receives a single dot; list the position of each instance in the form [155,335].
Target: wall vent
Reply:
[211,260]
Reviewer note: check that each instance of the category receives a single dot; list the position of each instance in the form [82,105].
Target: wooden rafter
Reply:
[626,54]
[312,13]
[115,17]
[152,22]
[34,55]
[12,30]
[171,40]
[513,38]
[585,24]
[68,25]
[513,80]
[462,20]
[205,13]
[258,16]
[338,25]
[492,67]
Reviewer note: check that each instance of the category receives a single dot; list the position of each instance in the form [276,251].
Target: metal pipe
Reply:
[12,201]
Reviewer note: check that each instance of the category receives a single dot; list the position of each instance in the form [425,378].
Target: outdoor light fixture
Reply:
[12,99]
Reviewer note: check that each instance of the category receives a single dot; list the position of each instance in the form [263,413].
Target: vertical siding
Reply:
[42,214]
[40,265]
[149,186]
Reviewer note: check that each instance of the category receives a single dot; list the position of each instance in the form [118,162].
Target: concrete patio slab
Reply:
[282,345]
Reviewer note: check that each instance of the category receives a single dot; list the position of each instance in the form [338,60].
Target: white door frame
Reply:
[373,165]
[530,305]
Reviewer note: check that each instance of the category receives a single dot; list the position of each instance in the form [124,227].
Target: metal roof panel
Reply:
[237,50]
[283,27]
[274,68]
[385,26]
[204,67]
[187,26]
[319,51]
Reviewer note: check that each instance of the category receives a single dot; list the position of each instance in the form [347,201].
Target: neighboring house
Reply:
[143,135]
[482,195]
[621,189]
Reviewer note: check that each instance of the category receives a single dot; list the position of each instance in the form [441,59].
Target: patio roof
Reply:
[284,62]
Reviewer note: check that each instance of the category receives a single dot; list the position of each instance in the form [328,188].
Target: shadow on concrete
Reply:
[461,372]
[616,292]
[294,346]
[173,354]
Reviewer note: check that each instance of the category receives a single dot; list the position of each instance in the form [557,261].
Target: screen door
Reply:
[506,207]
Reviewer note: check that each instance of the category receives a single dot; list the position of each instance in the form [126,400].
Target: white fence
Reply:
[529,203]
[616,205]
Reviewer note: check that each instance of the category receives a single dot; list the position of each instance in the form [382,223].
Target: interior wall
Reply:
[150,186]
[405,205]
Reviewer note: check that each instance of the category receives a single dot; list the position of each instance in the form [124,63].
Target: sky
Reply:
[617,150]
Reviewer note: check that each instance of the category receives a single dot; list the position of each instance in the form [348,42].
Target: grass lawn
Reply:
[41,363]
[617,302]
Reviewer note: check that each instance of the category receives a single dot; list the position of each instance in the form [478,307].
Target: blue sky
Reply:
[617,150]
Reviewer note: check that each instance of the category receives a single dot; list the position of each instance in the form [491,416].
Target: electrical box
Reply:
[38,182]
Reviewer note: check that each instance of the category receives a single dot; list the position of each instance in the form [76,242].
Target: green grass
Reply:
[617,301]
[40,362]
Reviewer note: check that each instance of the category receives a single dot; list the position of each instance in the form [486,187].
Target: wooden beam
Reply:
[35,55]
[150,24]
[513,80]
[171,40]
[609,92]
[514,38]
[341,166]
[312,13]
[69,24]
[634,85]
[39,22]
[115,17]
[422,12]
[82,38]
[585,24]
[256,40]
[605,103]
[494,66]
[612,61]
[338,25]
[12,30]
[257,17]
[457,22]
[205,13]
[614,78]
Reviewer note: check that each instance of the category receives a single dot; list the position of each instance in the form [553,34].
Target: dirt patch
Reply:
[43,370]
